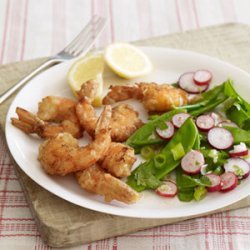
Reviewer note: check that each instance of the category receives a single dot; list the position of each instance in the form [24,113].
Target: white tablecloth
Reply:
[34,28]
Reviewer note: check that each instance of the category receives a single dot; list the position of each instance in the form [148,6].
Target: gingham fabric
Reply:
[33,28]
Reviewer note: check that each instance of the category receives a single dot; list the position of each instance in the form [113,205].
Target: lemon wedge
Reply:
[87,68]
[127,60]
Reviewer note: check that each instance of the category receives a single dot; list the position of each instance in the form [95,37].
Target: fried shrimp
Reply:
[118,160]
[124,121]
[62,155]
[155,98]
[96,180]
[32,124]
[89,90]
[57,109]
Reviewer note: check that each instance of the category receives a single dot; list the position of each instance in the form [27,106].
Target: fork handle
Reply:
[6,94]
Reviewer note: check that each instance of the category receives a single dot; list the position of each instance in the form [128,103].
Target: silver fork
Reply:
[79,46]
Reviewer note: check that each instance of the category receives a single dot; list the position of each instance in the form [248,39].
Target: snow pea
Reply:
[146,134]
[146,174]
[209,106]
[197,143]
[239,135]
[206,99]
[239,110]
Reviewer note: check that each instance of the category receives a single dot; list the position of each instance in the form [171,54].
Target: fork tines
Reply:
[86,37]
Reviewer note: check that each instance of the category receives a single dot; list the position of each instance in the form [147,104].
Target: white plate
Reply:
[169,65]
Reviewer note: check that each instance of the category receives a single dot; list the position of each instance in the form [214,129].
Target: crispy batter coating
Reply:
[96,180]
[118,160]
[88,89]
[32,124]
[155,97]
[62,155]
[124,121]
[57,109]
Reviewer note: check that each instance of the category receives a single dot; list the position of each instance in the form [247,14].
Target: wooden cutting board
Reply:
[63,224]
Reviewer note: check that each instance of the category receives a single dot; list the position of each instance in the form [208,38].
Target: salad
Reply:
[198,148]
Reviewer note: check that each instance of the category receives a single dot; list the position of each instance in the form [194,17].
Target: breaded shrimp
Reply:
[96,180]
[62,155]
[86,115]
[89,90]
[32,124]
[155,97]
[57,109]
[124,121]
[118,160]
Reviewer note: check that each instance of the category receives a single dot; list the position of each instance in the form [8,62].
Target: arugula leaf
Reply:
[185,194]
[214,158]
[145,177]
[186,181]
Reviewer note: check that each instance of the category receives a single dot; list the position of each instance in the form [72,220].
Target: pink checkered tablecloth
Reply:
[23,35]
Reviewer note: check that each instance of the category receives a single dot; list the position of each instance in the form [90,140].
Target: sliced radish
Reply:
[238,166]
[217,118]
[167,133]
[215,181]
[205,122]
[186,82]
[239,150]
[179,119]
[228,123]
[167,189]
[220,138]
[202,77]
[229,181]
[192,162]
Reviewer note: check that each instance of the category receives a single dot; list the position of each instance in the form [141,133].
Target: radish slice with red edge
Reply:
[217,118]
[238,166]
[167,189]
[239,150]
[229,181]
[205,122]
[167,133]
[220,138]
[179,119]
[215,182]
[192,162]
[202,77]
[186,82]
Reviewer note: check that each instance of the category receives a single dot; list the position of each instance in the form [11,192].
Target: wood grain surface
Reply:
[63,224]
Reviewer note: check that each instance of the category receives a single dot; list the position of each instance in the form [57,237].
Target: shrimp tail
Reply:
[28,122]
[96,180]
